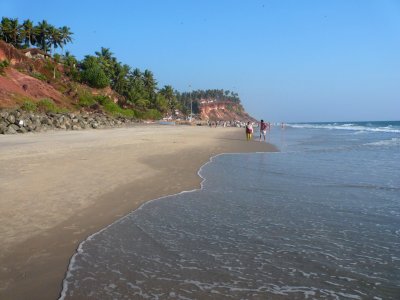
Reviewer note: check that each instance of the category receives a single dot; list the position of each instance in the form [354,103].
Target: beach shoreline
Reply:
[60,187]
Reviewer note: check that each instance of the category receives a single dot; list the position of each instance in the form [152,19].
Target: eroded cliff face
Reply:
[8,52]
[223,111]
[31,78]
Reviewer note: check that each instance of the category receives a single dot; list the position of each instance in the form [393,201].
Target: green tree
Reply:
[135,87]
[70,63]
[10,29]
[54,38]
[69,60]
[28,33]
[57,59]
[92,73]
[120,82]
[168,92]
[107,62]
[4,29]
[150,85]
[42,35]
[66,36]
[142,103]
[161,103]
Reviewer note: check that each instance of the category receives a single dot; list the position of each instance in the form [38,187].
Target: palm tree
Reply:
[150,84]
[15,32]
[65,35]
[120,82]
[105,54]
[42,33]
[10,29]
[161,103]
[28,34]
[137,75]
[54,38]
[5,28]
[69,60]
[107,62]
[168,92]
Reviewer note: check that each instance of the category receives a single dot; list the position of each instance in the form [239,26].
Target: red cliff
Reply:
[222,111]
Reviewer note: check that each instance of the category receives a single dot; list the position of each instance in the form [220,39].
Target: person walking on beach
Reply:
[263,130]
[249,131]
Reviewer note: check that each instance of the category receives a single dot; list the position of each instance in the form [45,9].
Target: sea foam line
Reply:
[349,126]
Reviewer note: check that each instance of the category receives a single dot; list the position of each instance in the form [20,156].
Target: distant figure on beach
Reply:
[263,130]
[283,125]
[249,131]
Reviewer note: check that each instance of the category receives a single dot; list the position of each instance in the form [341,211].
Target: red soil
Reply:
[15,86]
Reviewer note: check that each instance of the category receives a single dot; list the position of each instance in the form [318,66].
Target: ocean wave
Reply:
[348,126]
[391,142]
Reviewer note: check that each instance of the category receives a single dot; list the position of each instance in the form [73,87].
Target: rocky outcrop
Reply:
[8,52]
[18,121]
[223,111]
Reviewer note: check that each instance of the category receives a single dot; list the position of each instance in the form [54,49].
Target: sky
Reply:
[290,61]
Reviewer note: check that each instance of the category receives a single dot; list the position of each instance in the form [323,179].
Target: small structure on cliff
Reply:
[35,53]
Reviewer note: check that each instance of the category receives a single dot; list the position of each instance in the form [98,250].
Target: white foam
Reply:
[391,142]
[72,264]
[349,126]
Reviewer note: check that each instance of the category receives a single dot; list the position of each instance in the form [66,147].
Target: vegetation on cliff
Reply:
[120,88]
[43,35]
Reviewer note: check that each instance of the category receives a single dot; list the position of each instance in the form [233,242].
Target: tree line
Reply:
[42,35]
[138,88]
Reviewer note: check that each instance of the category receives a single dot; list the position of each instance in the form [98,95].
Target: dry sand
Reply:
[59,187]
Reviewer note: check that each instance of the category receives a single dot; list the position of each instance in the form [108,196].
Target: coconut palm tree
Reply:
[65,35]
[150,84]
[5,29]
[54,38]
[70,60]
[15,32]
[10,29]
[42,34]
[120,82]
[107,62]
[136,75]
[105,54]
[28,34]
[168,92]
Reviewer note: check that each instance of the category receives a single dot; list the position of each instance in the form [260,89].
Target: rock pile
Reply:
[19,121]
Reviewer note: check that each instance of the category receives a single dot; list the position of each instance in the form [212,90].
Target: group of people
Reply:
[263,130]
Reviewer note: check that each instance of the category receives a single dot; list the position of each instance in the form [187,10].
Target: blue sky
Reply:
[289,61]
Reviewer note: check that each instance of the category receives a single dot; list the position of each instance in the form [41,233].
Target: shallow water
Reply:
[320,220]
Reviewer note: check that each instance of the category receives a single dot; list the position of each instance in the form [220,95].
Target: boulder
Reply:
[11,118]
[12,129]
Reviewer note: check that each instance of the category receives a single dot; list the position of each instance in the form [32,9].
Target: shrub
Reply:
[39,76]
[102,99]
[113,108]
[3,64]
[47,105]
[128,113]
[29,106]
[95,77]
[86,99]
[150,114]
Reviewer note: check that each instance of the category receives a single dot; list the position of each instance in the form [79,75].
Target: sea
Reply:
[320,219]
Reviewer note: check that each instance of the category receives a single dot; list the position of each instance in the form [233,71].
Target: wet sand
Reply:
[57,188]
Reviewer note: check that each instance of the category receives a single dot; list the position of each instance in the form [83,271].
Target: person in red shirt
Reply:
[263,130]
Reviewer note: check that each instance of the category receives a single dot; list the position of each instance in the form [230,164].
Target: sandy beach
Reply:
[59,187]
